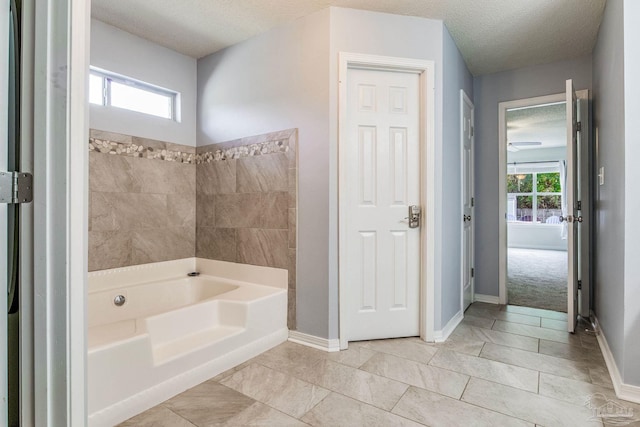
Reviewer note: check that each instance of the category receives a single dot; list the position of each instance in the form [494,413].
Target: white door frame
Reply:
[502,170]
[464,99]
[426,70]
[60,123]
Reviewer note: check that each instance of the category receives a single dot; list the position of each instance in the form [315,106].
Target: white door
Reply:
[467,199]
[573,219]
[382,165]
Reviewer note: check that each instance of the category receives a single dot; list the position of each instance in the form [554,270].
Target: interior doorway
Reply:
[536,206]
[545,200]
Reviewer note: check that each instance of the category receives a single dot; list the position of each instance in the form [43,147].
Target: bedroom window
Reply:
[114,90]
[534,197]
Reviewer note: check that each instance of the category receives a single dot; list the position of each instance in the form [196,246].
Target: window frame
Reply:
[534,198]
[108,77]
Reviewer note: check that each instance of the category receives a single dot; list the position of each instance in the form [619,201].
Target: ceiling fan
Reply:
[513,146]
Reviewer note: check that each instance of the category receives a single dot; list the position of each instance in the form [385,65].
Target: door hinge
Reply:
[579,284]
[579,126]
[579,205]
[16,187]
[473,272]
[471,130]
[473,201]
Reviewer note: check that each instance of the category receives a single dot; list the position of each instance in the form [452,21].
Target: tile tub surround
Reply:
[154,201]
[246,209]
[407,382]
[141,201]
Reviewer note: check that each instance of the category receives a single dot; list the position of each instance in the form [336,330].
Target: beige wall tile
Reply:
[216,177]
[164,244]
[293,218]
[292,187]
[156,176]
[292,268]
[128,211]
[110,136]
[181,210]
[205,210]
[216,243]
[109,173]
[291,310]
[239,210]
[275,213]
[109,249]
[262,173]
[262,247]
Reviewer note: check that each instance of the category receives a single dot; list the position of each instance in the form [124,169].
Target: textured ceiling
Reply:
[546,124]
[493,35]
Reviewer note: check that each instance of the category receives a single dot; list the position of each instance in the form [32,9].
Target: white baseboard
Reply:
[315,342]
[623,391]
[489,299]
[443,334]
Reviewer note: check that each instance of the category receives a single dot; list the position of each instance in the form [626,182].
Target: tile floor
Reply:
[502,366]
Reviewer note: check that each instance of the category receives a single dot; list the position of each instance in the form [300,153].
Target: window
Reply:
[534,197]
[113,90]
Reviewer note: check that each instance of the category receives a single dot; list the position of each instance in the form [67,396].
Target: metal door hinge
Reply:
[473,272]
[473,201]
[579,205]
[579,126]
[16,187]
[579,284]
[471,130]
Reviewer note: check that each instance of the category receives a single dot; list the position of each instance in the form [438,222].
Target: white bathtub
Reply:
[174,331]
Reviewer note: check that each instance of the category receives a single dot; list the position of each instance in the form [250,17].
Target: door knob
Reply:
[414,216]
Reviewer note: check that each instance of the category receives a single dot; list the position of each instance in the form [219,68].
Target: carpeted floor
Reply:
[537,278]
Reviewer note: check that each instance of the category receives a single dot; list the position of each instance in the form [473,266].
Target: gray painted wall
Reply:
[608,110]
[123,53]
[280,80]
[489,91]
[631,374]
[456,77]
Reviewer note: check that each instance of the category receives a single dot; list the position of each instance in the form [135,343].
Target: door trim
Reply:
[60,120]
[426,70]
[502,182]
[464,99]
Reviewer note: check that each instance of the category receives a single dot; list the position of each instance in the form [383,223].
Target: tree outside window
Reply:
[534,197]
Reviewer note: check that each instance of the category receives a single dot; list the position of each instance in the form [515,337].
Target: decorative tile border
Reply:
[136,150]
[258,149]
[109,143]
